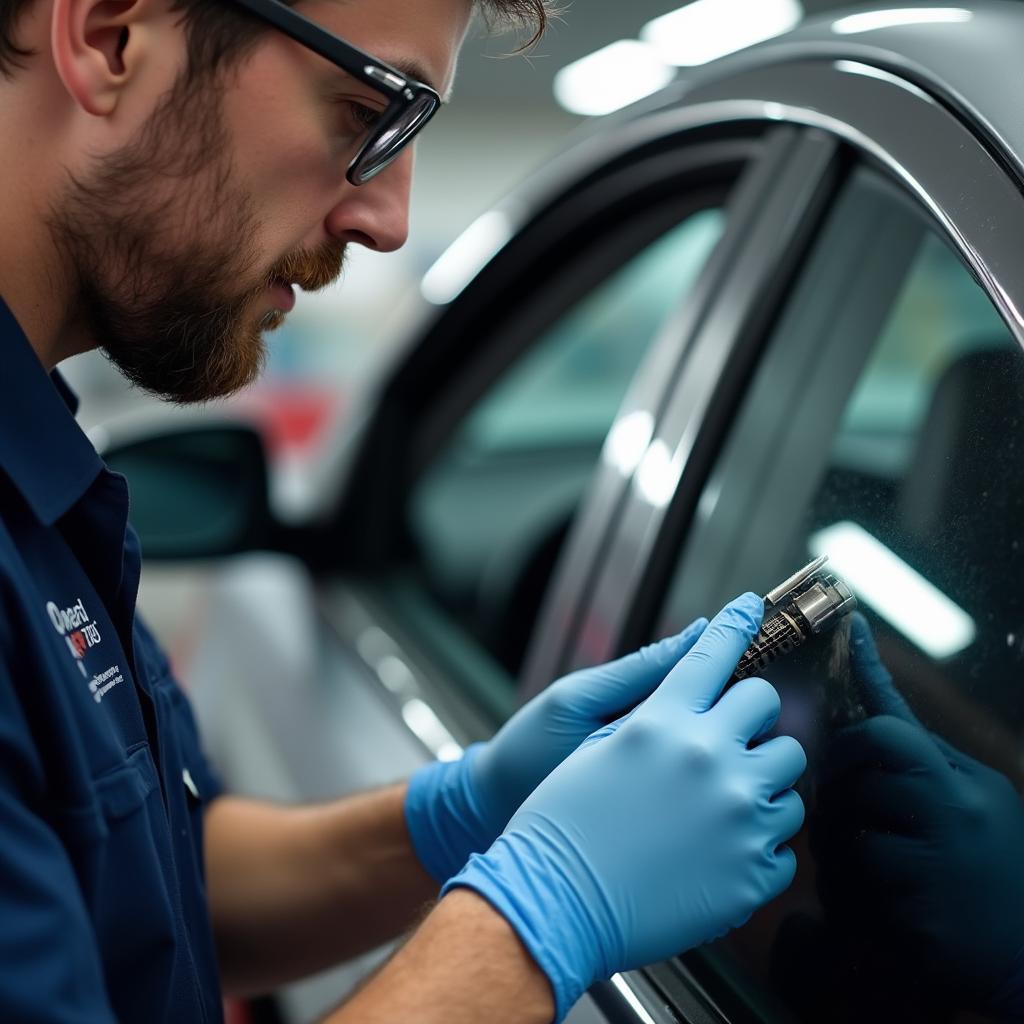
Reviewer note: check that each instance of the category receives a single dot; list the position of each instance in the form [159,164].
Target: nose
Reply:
[376,214]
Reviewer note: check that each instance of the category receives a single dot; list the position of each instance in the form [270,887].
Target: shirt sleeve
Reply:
[50,970]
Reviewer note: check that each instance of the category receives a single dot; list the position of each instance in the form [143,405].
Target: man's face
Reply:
[183,243]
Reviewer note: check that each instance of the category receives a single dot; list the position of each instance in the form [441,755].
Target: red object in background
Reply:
[292,418]
[235,1012]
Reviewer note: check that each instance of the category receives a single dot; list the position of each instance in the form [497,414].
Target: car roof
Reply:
[966,55]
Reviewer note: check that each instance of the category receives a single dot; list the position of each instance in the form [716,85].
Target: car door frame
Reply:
[949,165]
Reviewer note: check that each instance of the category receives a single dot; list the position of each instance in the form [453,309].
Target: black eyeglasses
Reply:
[411,104]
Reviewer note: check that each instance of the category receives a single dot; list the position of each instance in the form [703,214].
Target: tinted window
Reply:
[489,515]
[884,428]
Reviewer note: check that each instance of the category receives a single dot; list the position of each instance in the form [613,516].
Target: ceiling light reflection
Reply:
[898,592]
[870,21]
[707,29]
[465,257]
[612,77]
[420,718]
[628,440]
[658,475]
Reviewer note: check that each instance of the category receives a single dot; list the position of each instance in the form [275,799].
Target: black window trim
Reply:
[719,357]
[560,613]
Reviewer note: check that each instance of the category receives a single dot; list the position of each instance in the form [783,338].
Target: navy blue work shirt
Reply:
[103,913]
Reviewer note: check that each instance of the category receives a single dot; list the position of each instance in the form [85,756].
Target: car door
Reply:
[875,417]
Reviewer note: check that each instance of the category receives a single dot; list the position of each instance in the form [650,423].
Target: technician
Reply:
[170,169]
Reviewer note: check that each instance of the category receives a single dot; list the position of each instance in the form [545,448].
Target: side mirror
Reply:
[197,492]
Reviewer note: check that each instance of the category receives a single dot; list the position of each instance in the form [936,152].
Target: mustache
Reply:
[312,269]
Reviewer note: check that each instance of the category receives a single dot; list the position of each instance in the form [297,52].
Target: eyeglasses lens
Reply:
[392,137]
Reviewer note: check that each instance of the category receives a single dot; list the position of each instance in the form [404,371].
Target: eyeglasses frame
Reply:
[402,92]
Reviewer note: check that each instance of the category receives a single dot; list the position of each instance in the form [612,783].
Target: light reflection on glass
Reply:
[898,592]
[870,21]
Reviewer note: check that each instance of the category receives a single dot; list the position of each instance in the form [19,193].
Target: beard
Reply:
[161,246]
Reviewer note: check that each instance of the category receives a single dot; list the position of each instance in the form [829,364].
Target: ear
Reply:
[95,46]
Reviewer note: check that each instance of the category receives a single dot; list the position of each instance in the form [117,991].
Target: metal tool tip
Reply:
[776,595]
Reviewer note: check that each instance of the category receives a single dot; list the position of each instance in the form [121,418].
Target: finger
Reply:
[782,761]
[608,690]
[886,743]
[880,694]
[748,709]
[786,816]
[699,678]
[781,872]
[663,654]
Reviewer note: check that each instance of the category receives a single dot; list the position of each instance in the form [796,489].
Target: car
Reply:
[772,312]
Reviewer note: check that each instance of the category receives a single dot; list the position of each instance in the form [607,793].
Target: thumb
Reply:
[698,680]
[607,690]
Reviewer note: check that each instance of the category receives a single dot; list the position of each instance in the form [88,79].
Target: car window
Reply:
[567,389]
[489,514]
[885,428]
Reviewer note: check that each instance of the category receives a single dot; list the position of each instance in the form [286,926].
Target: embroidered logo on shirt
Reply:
[81,633]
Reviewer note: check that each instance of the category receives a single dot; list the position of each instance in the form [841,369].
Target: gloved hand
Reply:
[662,831]
[920,849]
[456,808]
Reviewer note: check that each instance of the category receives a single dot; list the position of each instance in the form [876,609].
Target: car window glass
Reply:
[899,454]
[491,511]
[568,388]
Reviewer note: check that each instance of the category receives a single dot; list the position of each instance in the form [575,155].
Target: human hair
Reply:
[219,34]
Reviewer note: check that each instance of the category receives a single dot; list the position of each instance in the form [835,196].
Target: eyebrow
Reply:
[413,69]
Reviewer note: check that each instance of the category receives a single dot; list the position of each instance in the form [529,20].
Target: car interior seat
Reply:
[960,512]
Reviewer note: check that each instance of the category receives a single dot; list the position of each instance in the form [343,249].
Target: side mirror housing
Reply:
[197,492]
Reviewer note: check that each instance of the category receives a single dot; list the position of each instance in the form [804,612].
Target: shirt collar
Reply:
[42,449]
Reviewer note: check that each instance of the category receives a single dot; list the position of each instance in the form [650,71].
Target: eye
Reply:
[364,116]
[356,118]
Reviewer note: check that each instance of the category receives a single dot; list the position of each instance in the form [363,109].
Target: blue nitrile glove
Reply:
[662,831]
[456,808]
[921,850]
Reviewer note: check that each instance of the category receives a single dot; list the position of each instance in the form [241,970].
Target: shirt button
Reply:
[190,783]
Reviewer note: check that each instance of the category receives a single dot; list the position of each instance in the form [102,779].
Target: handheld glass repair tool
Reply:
[809,602]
